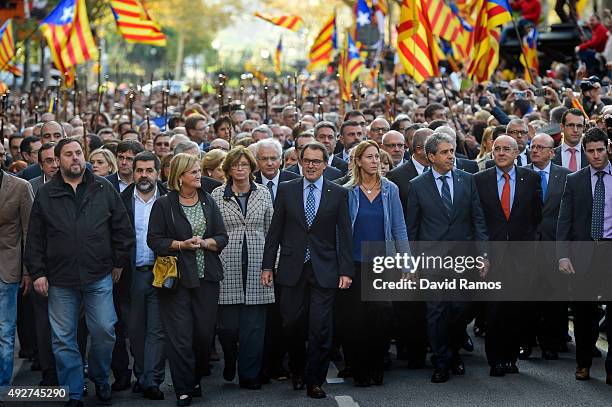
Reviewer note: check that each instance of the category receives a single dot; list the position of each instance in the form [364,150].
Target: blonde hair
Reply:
[486,135]
[233,156]
[359,149]
[212,159]
[180,164]
[108,156]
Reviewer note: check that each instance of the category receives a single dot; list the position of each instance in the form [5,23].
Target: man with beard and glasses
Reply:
[146,331]
[79,242]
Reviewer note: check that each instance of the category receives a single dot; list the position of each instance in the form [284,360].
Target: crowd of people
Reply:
[266,206]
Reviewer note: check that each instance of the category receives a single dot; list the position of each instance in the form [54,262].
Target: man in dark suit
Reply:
[443,205]
[570,153]
[511,200]
[126,151]
[585,216]
[146,330]
[330,173]
[553,315]
[325,133]
[124,177]
[268,153]
[311,224]
[410,325]
[351,133]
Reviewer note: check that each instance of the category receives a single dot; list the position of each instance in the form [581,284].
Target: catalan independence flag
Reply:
[67,32]
[349,67]
[321,50]
[417,49]
[135,24]
[293,23]
[277,56]
[530,48]
[7,48]
[499,12]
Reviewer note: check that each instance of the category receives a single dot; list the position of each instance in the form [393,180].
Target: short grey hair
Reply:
[433,141]
[184,146]
[262,129]
[446,130]
[516,121]
[180,137]
[249,122]
[270,143]
[241,135]
[287,152]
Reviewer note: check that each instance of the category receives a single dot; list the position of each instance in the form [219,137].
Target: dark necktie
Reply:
[519,161]
[446,195]
[544,184]
[271,189]
[599,200]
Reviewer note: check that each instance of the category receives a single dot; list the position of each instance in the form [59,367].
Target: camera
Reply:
[540,92]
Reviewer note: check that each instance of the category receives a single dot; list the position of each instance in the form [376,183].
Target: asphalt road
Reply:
[540,383]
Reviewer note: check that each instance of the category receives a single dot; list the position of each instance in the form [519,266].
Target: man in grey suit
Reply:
[444,205]
[553,315]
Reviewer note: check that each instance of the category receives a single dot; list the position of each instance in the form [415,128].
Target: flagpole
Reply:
[520,42]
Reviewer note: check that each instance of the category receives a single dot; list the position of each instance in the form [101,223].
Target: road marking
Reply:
[346,401]
[332,374]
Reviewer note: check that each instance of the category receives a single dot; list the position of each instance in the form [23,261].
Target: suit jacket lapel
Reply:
[300,207]
[458,188]
[553,182]
[519,189]
[588,193]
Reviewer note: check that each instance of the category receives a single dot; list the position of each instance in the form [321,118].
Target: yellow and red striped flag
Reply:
[417,49]
[293,23]
[67,32]
[530,48]
[349,67]
[135,24]
[321,50]
[277,56]
[491,14]
[7,48]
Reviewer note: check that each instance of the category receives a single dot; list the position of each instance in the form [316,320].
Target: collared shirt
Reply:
[449,180]
[330,159]
[419,167]
[608,205]
[546,171]
[501,181]
[142,211]
[345,155]
[566,155]
[317,192]
[300,169]
[122,185]
[275,180]
[523,157]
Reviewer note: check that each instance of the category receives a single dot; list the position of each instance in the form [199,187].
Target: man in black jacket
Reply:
[146,330]
[80,240]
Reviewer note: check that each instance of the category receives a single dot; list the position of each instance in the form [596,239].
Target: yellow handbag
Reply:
[165,272]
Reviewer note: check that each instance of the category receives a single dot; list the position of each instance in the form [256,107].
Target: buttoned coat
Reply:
[255,226]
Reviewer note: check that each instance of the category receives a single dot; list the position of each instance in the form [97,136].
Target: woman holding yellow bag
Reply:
[187,223]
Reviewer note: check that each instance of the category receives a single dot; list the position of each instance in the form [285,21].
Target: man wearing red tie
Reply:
[510,197]
[570,153]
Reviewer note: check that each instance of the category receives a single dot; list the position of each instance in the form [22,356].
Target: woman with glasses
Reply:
[161,145]
[246,208]
[377,218]
[187,223]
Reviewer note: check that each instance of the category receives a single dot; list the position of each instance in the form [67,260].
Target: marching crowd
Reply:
[263,206]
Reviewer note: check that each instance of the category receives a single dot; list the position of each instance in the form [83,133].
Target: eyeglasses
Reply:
[504,149]
[162,144]
[240,165]
[399,145]
[315,163]
[539,148]
[379,129]
[574,126]
[518,132]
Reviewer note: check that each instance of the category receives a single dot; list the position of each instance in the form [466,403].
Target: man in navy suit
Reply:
[126,151]
[268,153]
[325,133]
[444,205]
[570,153]
[511,199]
[312,227]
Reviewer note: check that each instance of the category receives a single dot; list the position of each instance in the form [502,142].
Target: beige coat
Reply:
[16,198]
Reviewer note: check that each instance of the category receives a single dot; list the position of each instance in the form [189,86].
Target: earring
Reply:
[180,183]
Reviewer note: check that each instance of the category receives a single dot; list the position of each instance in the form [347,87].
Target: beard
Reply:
[145,185]
[73,173]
